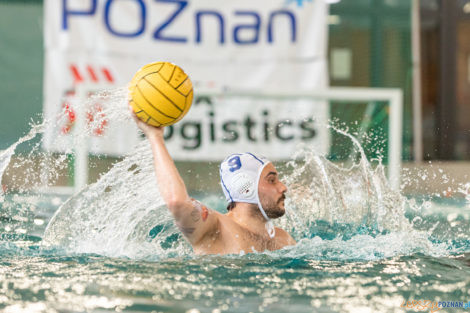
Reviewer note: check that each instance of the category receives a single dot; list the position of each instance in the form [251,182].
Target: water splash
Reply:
[350,212]
[334,211]
[5,156]
[120,215]
[359,195]
[88,120]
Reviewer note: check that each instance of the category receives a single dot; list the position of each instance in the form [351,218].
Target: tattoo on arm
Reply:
[204,213]
[196,215]
[199,211]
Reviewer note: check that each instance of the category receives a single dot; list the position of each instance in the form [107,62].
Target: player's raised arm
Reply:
[193,219]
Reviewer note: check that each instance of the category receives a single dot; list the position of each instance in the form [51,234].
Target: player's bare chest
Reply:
[232,238]
[241,239]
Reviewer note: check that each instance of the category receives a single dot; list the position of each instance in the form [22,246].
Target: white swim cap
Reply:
[239,177]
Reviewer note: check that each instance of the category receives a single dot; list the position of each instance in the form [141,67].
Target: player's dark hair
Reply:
[231,205]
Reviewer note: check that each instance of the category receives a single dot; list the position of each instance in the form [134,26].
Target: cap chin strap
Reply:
[270,229]
[269,224]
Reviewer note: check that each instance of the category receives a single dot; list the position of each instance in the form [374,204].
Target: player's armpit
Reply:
[196,221]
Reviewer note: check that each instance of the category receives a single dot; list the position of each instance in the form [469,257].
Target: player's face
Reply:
[271,192]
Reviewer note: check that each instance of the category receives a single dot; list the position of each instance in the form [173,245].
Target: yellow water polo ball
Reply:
[160,93]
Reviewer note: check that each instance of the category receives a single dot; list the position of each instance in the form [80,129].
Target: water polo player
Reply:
[251,186]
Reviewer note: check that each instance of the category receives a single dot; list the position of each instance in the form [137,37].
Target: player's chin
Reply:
[281,212]
[278,212]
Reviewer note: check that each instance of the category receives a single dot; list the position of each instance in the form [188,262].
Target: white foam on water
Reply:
[366,247]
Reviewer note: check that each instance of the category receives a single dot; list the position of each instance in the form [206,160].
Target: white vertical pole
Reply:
[395,139]
[417,109]
[81,149]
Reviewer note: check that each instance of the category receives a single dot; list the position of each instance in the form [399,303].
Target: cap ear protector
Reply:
[243,185]
[239,177]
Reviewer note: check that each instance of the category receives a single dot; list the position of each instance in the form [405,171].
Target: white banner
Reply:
[268,45]
[219,126]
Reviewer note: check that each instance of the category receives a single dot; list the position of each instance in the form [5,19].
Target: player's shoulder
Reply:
[284,236]
[281,231]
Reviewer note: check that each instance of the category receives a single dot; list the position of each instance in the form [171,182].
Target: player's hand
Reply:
[148,130]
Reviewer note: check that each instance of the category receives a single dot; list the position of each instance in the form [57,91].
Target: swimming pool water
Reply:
[359,270]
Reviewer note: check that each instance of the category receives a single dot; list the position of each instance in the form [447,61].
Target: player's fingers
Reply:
[134,117]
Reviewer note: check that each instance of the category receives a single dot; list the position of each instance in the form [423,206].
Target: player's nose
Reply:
[282,188]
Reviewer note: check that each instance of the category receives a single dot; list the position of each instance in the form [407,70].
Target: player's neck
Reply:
[249,216]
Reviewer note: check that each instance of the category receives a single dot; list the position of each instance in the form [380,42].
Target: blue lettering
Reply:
[138,32]
[255,27]
[271,20]
[158,32]
[199,15]
[246,32]
[235,163]
[66,12]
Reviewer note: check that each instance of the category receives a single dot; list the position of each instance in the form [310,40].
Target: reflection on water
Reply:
[252,283]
